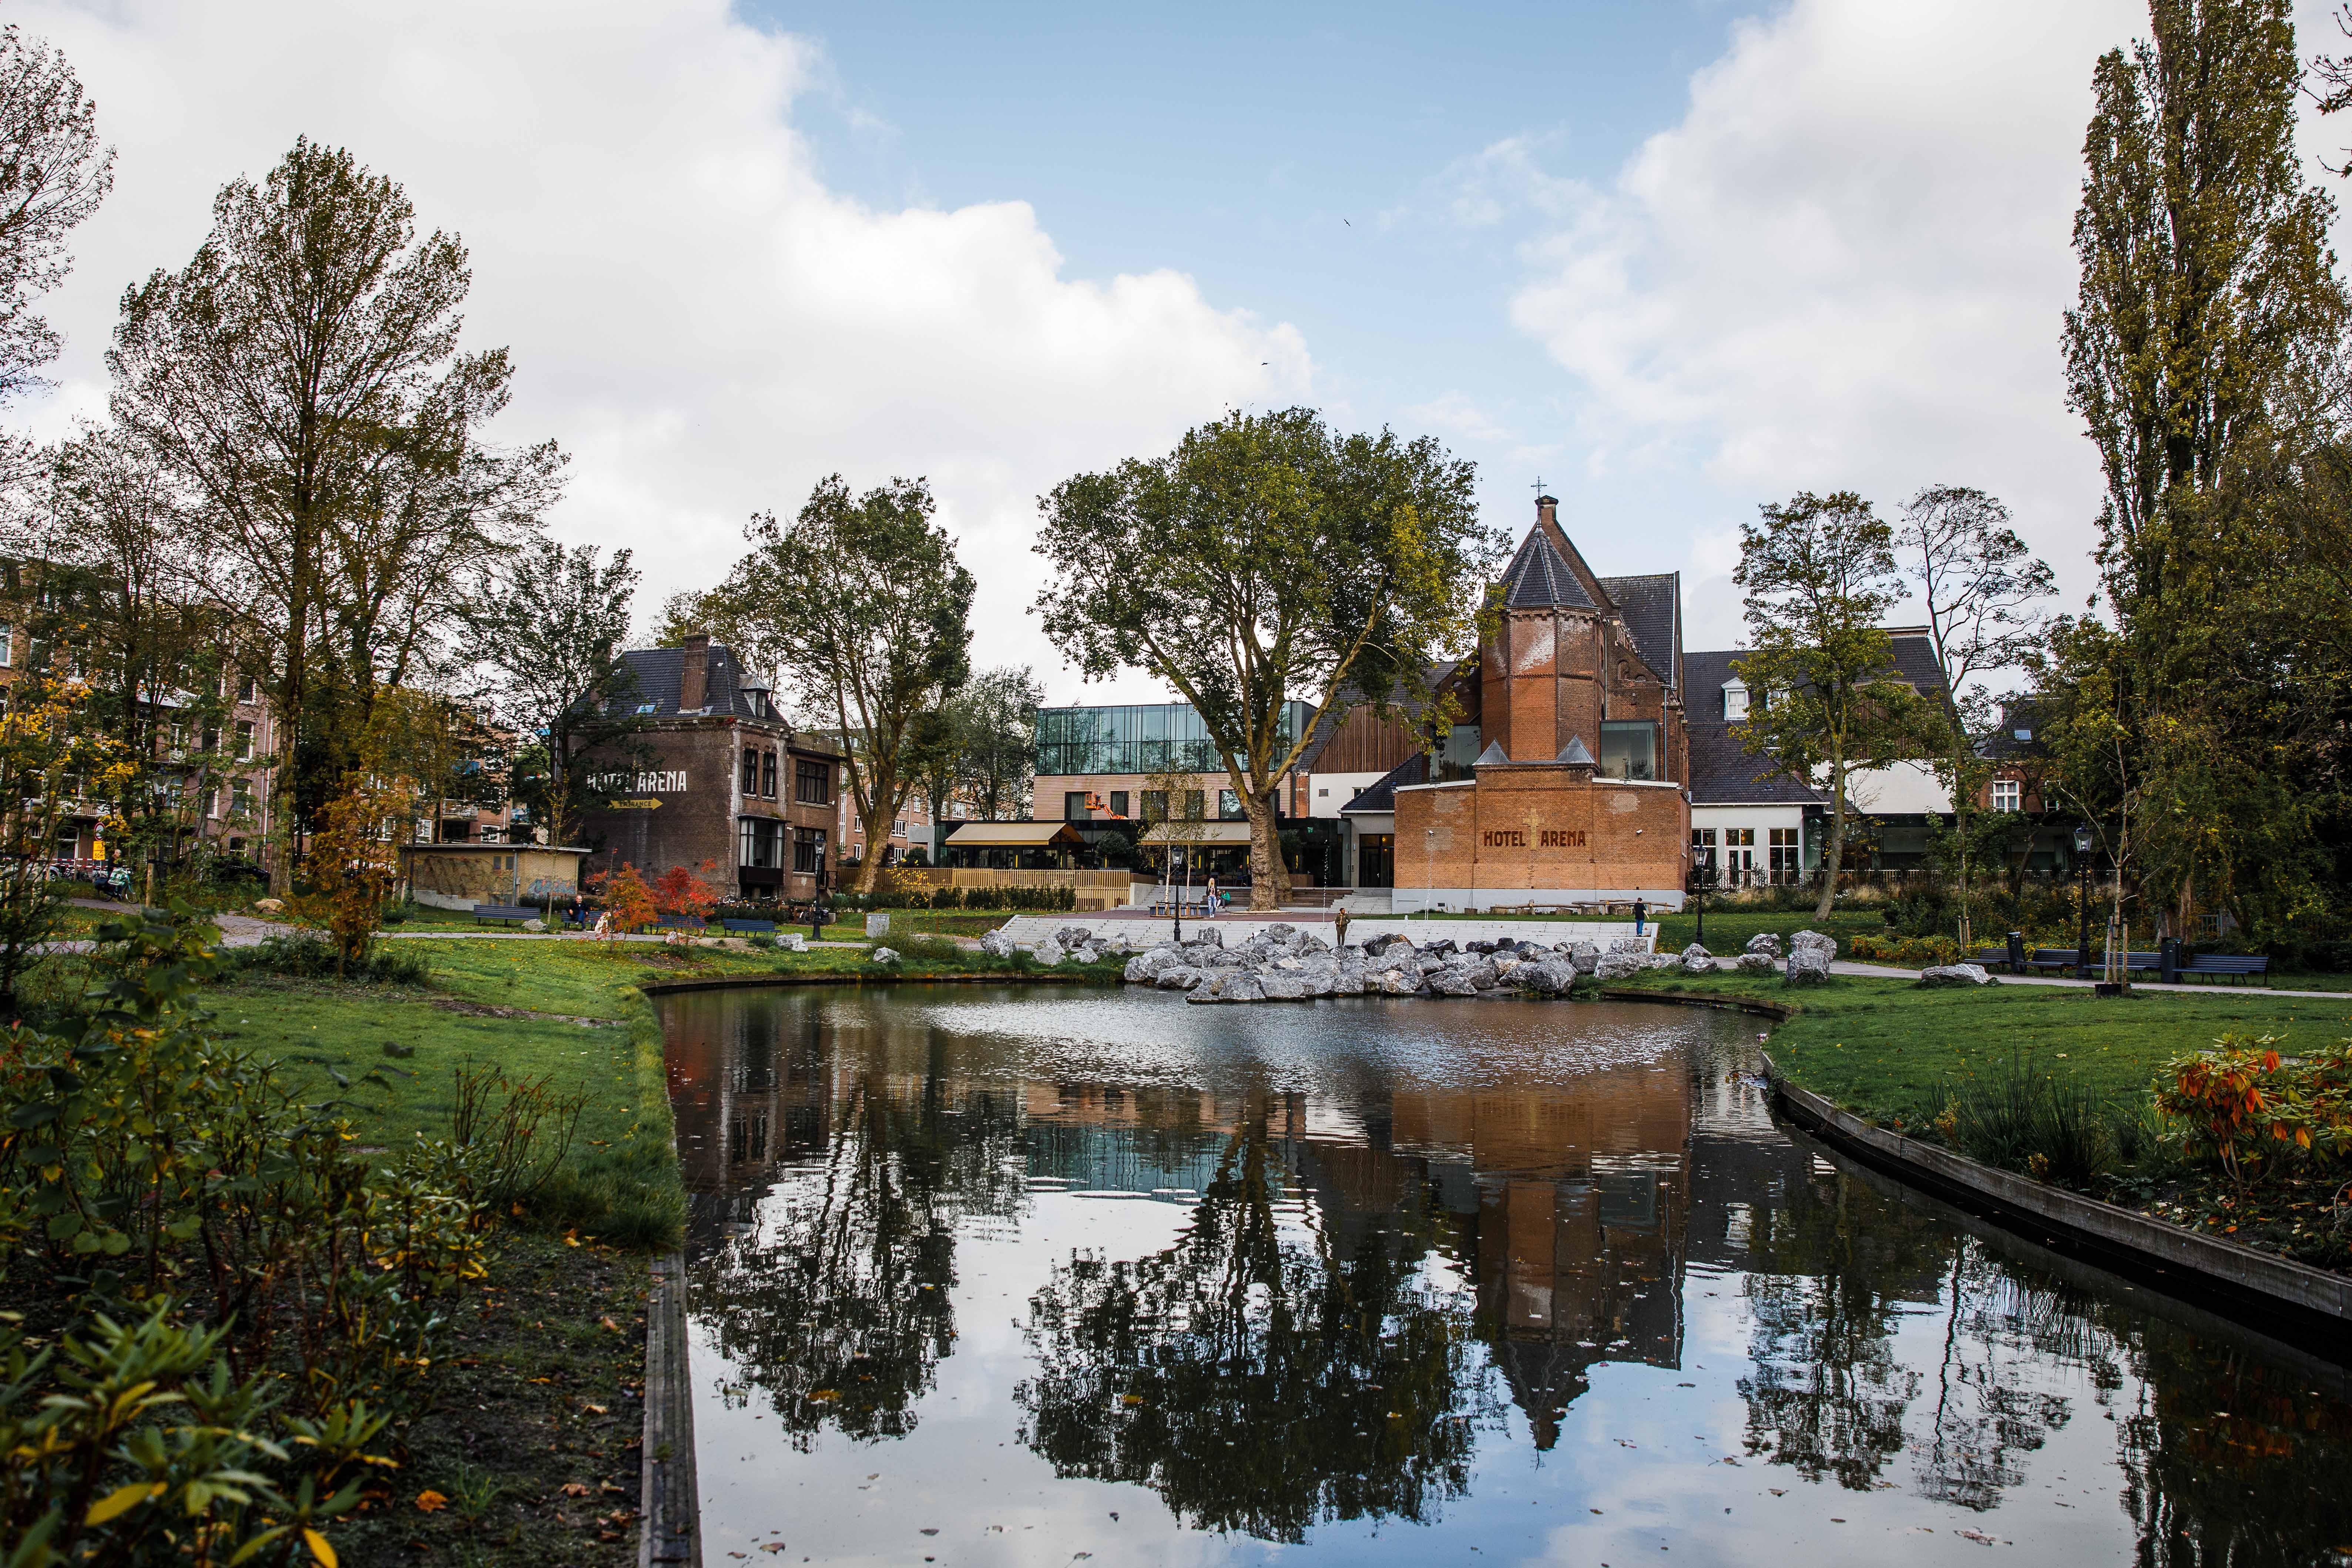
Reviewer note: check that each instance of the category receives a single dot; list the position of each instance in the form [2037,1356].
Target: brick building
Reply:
[1577,791]
[734,792]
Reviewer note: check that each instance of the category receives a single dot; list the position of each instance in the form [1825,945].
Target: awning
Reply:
[1013,836]
[1216,833]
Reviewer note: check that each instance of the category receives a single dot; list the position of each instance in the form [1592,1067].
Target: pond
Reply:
[1029,1276]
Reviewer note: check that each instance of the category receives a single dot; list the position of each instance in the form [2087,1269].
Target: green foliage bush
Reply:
[246,1306]
[305,956]
[1916,951]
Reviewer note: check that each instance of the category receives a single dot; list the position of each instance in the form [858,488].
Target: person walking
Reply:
[1640,913]
[1214,901]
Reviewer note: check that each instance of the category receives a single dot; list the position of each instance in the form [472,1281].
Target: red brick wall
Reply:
[1541,829]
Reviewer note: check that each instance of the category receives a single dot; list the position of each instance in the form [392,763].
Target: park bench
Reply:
[680,922]
[2059,958]
[747,928]
[504,914]
[1992,958]
[2237,966]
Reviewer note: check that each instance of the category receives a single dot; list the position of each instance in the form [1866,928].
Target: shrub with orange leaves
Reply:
[2243,1102]
[627,900]
[678,892]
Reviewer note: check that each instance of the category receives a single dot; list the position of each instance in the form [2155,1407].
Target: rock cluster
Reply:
[1285,963]
[1070,944]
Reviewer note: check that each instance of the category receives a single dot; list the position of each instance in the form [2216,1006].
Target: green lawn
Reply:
[1891,1049]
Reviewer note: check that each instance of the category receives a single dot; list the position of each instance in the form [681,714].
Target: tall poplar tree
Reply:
[300,384]
[2204,355]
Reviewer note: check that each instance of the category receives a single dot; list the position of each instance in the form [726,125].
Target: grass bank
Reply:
[2057,1072]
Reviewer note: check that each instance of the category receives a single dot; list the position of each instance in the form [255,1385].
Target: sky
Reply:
[1673,260]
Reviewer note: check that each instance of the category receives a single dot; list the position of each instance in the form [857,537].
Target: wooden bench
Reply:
[1992,958]
[746,928]
[2055,958]
[514,914]
[680,922]
[2239,968]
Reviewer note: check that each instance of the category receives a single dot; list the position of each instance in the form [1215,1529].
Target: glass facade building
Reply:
[1146,738]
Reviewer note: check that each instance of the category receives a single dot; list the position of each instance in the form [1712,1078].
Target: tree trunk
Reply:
[1265,854]
[875,815]
[1961,807]
[1834,854]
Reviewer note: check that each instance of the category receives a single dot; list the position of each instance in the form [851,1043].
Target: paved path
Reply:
[1887,972]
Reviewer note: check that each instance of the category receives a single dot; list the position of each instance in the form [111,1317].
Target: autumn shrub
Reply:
[2243,1106]
[626,899]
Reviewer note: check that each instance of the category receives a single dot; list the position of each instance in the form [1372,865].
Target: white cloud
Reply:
[701,322]
[1844,268]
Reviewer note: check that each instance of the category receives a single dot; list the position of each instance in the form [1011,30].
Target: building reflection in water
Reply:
[1372,1277]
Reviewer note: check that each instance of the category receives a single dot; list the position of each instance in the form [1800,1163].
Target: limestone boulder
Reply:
[1282,985]
[792,941]
[1807,966]
[1753,962]
[1767,943]
[996,944]
[1630,944]
[884,955]
[1620,965]
[1178,977]
[1584,956]
[1452,982]
[1048,953]
[1205,936]
[1814,942]
[1074,936]
[1957,974]
[1697,960]
[534,925]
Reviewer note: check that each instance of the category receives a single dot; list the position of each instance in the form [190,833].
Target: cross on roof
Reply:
[1539,484]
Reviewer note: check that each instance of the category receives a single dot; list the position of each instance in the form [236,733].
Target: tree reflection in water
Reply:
[838,1305]
[1262,1383]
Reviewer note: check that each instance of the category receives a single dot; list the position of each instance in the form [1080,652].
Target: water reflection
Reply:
[1296,1277]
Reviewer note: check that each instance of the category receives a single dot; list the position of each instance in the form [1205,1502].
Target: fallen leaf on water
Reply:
[774,1546]
[431,1502]
[1778,1492]
[930,1532]
[597,1408]
[574,1489]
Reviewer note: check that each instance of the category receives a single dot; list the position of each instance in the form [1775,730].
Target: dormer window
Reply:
[1735,700]
[2023,734]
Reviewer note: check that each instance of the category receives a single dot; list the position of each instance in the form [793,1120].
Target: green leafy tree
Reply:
[2205,357]
[551,627]
[1268,555]
[53,176]
[995,718]
[865,613]
[1981,589]
[1820,577]
[300,381]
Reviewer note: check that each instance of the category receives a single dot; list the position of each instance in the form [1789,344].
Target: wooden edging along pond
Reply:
[2291,1301]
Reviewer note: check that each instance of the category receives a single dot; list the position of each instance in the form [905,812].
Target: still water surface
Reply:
[983,1276]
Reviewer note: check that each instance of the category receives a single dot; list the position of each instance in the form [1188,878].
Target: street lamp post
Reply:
[2083,897]
[1428,869]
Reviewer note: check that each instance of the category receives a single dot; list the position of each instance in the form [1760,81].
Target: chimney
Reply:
[1547,512]
[694,681]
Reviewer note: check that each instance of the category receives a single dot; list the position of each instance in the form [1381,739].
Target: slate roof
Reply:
[1653,608]
[659,672]
[1380,795]
[1915,660]
[2002,744]
[1538,577]
[1721,773]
